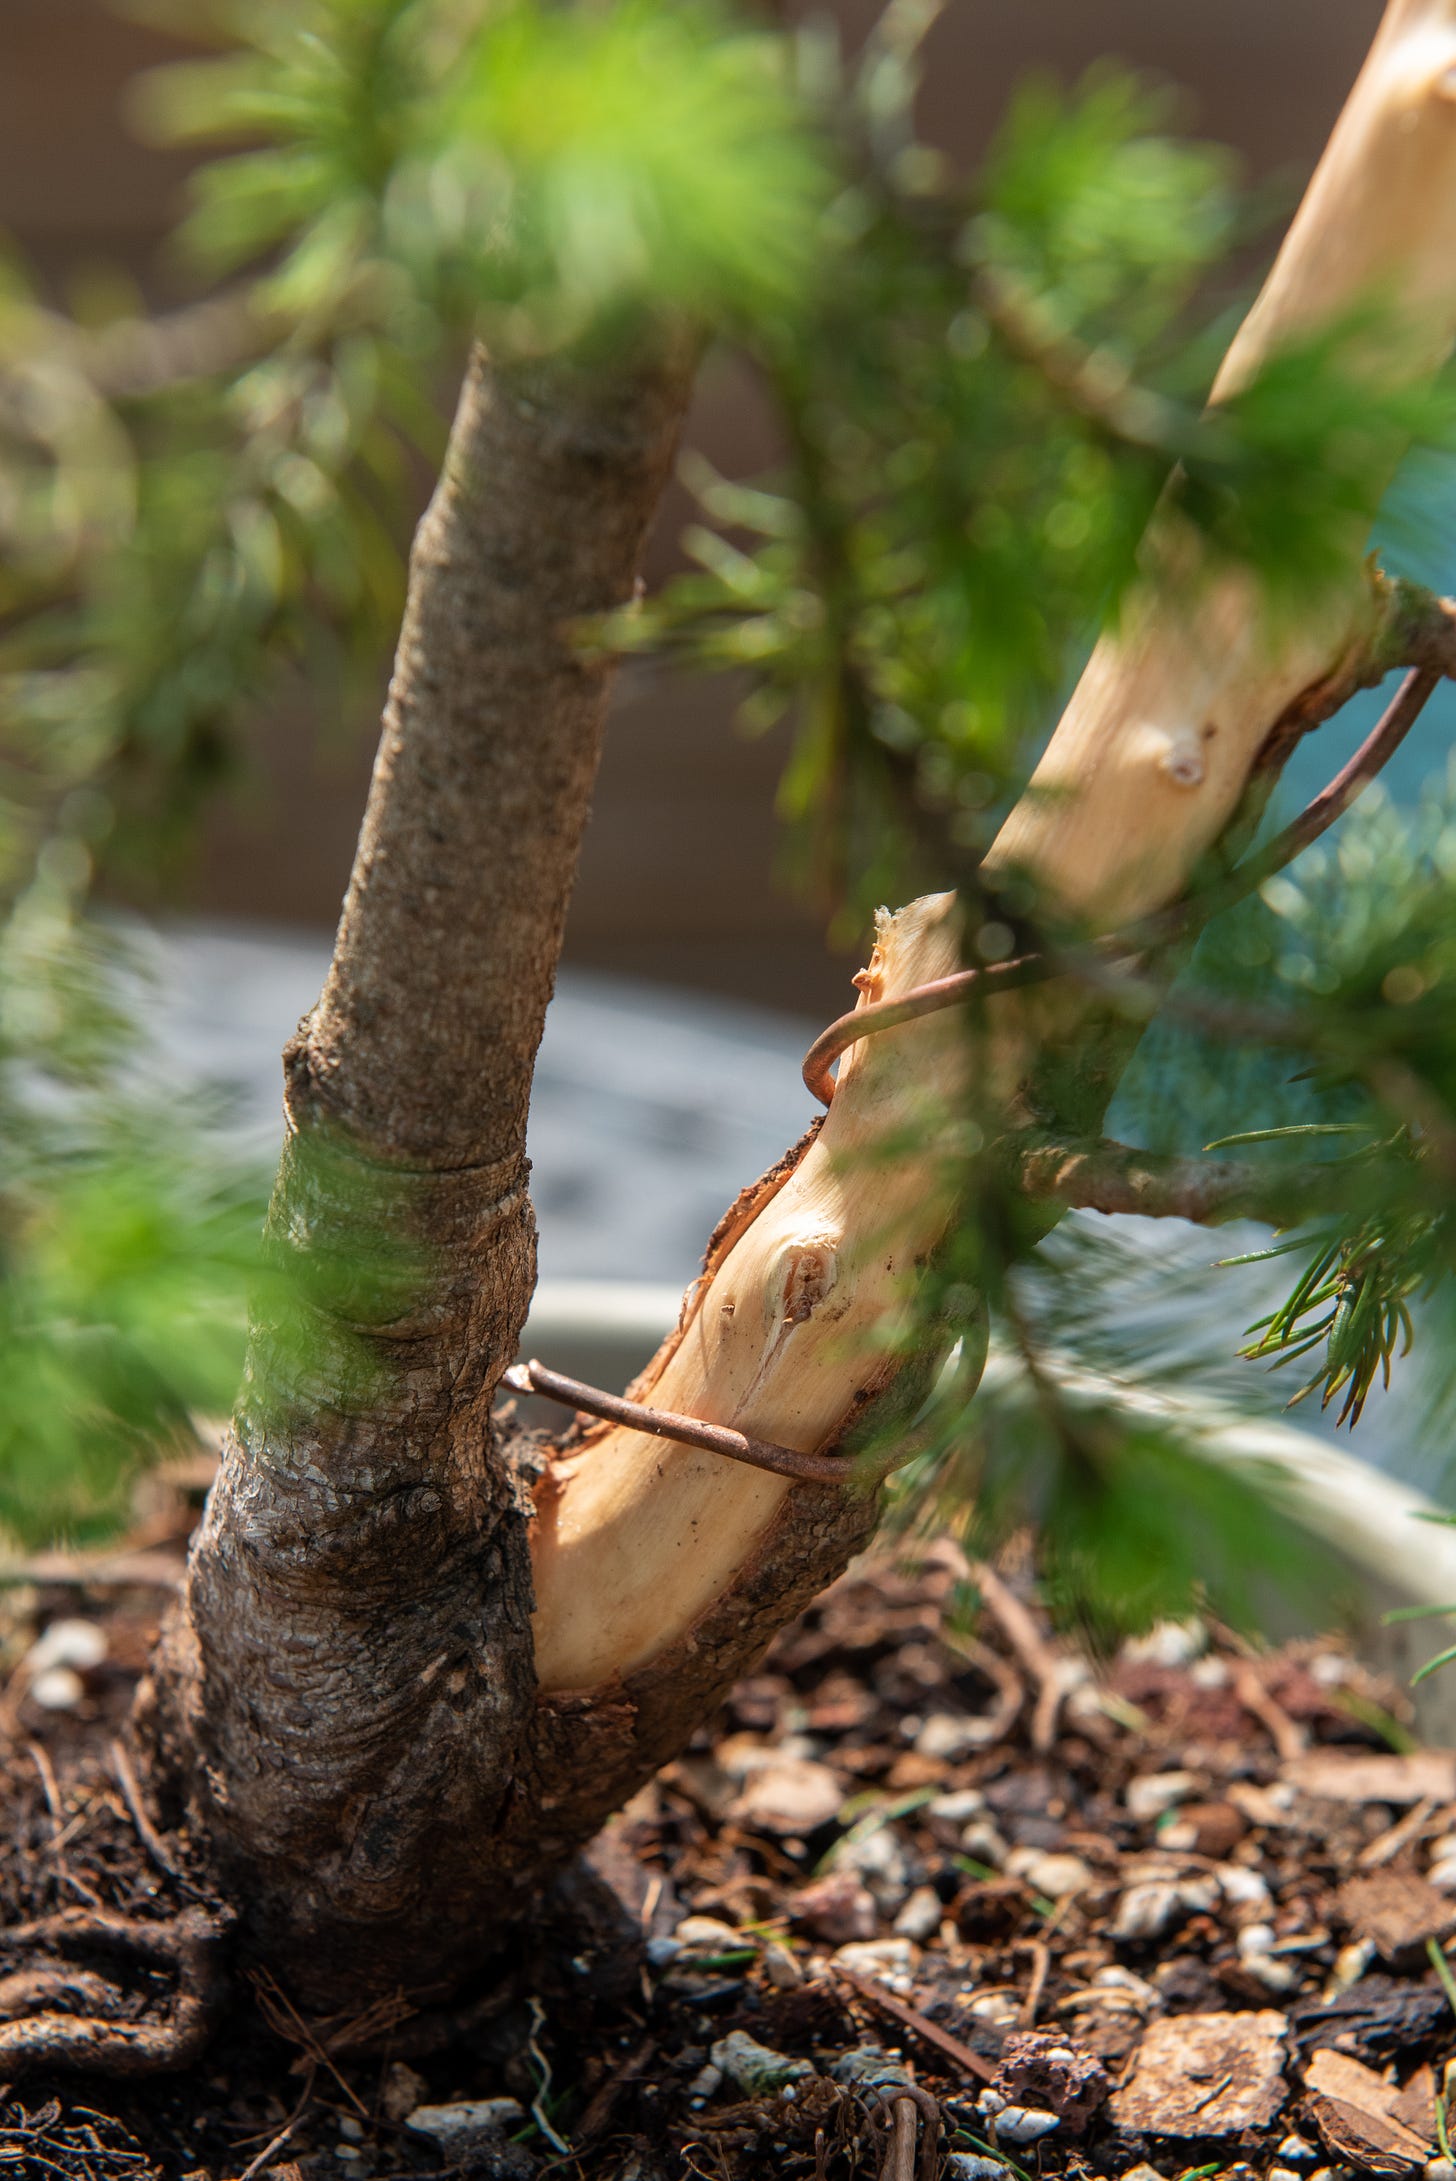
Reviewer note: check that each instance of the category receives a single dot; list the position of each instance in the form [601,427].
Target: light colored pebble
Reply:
[455,2126]
[948,1736]
[1294,2151]
[876,1957]
[781,1969]
[1158,1792]
[958,1807]
[997,2007]
[705,2084]
[1442,1875]
[350,2129]
[57,1689]
[1147,1911]
[75,1643]
[1021,2125]
[1351,1963]
[975,2166]
[1439,2169]
[919,1919]
[707,1935]
[757,2069]
[1243,1888]
[1056,1876]
[984,1844]
[1208,1673]
[1169,1643]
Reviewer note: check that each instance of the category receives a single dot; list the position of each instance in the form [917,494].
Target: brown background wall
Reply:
[678,877]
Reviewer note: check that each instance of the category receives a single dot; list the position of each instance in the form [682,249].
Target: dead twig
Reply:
[146,1831]
[1041,1962]
[1046,1667]
[270,2150]
[911,2018]
[1290,1741]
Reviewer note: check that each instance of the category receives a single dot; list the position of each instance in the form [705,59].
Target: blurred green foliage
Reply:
[985,382]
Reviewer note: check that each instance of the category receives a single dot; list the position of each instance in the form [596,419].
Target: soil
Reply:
[932,1894]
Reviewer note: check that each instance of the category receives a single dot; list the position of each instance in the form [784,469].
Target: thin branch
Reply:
[1117,1178]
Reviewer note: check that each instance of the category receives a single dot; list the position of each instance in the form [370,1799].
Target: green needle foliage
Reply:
[984,383]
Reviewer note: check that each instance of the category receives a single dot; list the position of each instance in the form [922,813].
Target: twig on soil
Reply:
[1289,1740]
[1041,1961]
[1046,1668]
[911,2018]
[1387,1846]
[270,2150]
[147,1833]
[604,2098]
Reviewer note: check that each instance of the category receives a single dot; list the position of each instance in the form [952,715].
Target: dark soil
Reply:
[1182,1913]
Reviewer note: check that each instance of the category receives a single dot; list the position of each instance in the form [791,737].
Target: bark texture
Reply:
[343,1692]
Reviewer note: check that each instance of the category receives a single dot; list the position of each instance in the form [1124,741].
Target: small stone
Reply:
[975,2166]
[1294,2151]
[1439,2169]
[350,2129]
[869,2064]
[59,1688]
[1351,1963]
[707,1935]
[705,2084]
[1143,2172]
[984,1844]
[788,1795]
[348,2154]
[1282,2173]
[919,1919]
[957,1808]
[1210,1673]
[1204,2075]
[456,2127]
[78,1644]
[877,1957]
[836,1908]
[1149,1797]
[1149,1910]
[995,2007]
[661,1953]
[401,2091]
[948,1736]
[1255,1950]
[781,1969]
[1442,1875]
[1058,1877]
[1020,2125]
[757,2069]
[880,1862]
[1168,1643]
[1243,1889]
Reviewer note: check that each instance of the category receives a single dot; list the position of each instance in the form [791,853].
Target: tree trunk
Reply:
[345,1689]
[348,1696]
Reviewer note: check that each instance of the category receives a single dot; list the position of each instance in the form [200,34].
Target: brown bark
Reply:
[342,1692]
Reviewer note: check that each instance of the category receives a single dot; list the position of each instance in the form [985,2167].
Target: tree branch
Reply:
[1118,1178]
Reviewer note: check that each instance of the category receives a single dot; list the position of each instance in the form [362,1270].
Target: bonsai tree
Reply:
[421,1654]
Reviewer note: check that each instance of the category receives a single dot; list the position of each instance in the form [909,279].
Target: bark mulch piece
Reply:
[931,1895]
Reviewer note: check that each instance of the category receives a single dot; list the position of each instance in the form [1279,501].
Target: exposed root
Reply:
[42,2028]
